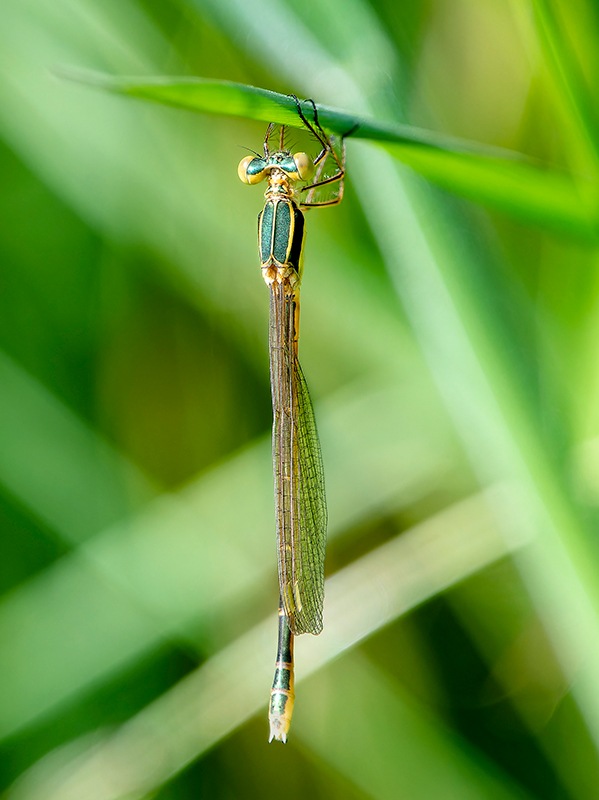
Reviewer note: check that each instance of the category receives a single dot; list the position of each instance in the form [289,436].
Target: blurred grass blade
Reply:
[503,179]
[563,57]
[471,358]
[62,470]
[153,577]
[398,734]
[207,705]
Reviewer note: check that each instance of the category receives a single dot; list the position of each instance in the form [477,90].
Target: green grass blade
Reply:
[499,178]
[562,55]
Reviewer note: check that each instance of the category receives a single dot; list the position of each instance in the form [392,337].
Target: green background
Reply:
[449,337]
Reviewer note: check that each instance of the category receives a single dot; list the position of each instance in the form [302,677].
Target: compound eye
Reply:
[251,170]
[304,166]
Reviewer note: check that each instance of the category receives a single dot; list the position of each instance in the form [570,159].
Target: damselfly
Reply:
[300,503]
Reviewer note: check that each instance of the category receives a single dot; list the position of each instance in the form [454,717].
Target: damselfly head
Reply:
[318,164]
[296,167]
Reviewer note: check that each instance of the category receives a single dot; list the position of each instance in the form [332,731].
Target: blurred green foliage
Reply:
[449,338]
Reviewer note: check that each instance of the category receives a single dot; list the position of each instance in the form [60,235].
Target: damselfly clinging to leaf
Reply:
[293,182]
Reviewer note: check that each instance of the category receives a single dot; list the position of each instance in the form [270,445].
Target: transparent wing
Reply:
[312,512]
[300,504]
